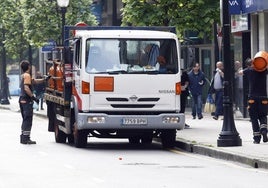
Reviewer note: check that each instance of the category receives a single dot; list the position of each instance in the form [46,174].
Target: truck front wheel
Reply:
[80,137]
[60,137]
[134,140]
[147,140]
[168,138]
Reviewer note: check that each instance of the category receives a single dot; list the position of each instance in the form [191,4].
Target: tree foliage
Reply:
[33,23]
[194,15]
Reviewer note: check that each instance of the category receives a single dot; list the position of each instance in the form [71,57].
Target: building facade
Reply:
[108,12]
[249,27]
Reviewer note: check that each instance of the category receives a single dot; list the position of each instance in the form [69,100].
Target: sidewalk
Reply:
[202,137]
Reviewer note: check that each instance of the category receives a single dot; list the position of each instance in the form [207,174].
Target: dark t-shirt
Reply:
[257,82]
[184,78]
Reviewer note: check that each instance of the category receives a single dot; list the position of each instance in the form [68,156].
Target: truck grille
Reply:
[117,99]
[132,105]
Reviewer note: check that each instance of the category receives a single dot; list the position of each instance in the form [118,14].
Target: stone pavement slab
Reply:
[202,138]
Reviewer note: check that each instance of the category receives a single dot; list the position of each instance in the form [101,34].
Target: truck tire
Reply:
[146,140]
[70,139]
[168,138]
[80,138]
[60,137]
[134,140]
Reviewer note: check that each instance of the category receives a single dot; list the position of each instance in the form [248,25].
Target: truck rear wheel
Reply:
[60,137]
[70,138]
[168,138]
[80,137]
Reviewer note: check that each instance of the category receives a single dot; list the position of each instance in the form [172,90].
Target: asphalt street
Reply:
[202,138]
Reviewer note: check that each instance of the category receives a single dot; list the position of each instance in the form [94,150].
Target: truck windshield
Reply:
[131,56]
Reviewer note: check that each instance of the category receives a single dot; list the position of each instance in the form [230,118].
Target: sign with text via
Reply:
[234,6]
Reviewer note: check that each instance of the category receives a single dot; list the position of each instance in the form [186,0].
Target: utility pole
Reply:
[229,135]
[4,97]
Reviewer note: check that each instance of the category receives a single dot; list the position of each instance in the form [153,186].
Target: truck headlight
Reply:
[96,119]
[168,119]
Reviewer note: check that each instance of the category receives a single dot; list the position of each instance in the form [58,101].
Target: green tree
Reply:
[33,23]
[194,15]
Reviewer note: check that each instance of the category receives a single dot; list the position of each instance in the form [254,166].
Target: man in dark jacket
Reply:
[196,82]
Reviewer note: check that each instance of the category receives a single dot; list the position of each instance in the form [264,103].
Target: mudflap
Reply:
[51,116]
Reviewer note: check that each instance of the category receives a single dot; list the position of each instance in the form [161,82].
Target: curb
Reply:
[35,113]
[5,107]
[213,152]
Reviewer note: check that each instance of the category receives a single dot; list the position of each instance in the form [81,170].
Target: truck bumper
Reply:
[104,121]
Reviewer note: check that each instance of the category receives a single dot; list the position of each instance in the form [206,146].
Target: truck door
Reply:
[77,64]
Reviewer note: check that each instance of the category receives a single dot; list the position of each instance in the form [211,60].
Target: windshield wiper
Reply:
[117,72]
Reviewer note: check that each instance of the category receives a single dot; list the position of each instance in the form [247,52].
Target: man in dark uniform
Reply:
[184,92]
[257,101]
[26,102]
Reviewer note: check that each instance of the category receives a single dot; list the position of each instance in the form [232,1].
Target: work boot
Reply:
[26,140]
[264,135]
[264,132]
[30,142]
[256,139]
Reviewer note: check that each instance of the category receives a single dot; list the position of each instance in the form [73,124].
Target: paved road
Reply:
[109,163]
[202,138]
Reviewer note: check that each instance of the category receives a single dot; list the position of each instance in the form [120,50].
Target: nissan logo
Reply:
[133,98]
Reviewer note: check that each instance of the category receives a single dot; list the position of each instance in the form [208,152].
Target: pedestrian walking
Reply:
[39,90]
[196,82]
[257,100]
[218,89]
[238,86]
[26,101]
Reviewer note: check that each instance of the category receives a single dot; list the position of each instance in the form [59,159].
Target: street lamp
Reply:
[63,4]
[4,98]
[229,135]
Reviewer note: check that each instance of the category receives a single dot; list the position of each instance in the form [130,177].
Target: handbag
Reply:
[35,106]
[210,104]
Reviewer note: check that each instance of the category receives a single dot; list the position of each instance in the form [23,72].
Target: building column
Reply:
[263,29]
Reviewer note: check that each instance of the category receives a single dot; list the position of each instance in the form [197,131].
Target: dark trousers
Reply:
[219,102]
[27,118]
[40,96]
[197,105]
[258,115]
[184,95]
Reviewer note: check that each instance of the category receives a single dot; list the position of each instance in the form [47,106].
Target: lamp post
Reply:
[63,4]
[4,98]
[229,135]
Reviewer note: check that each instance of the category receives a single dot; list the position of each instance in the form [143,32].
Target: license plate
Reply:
[134,121]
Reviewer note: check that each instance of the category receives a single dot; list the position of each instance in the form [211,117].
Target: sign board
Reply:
[235,7]
[239,23]
[49,46]
[247,6]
